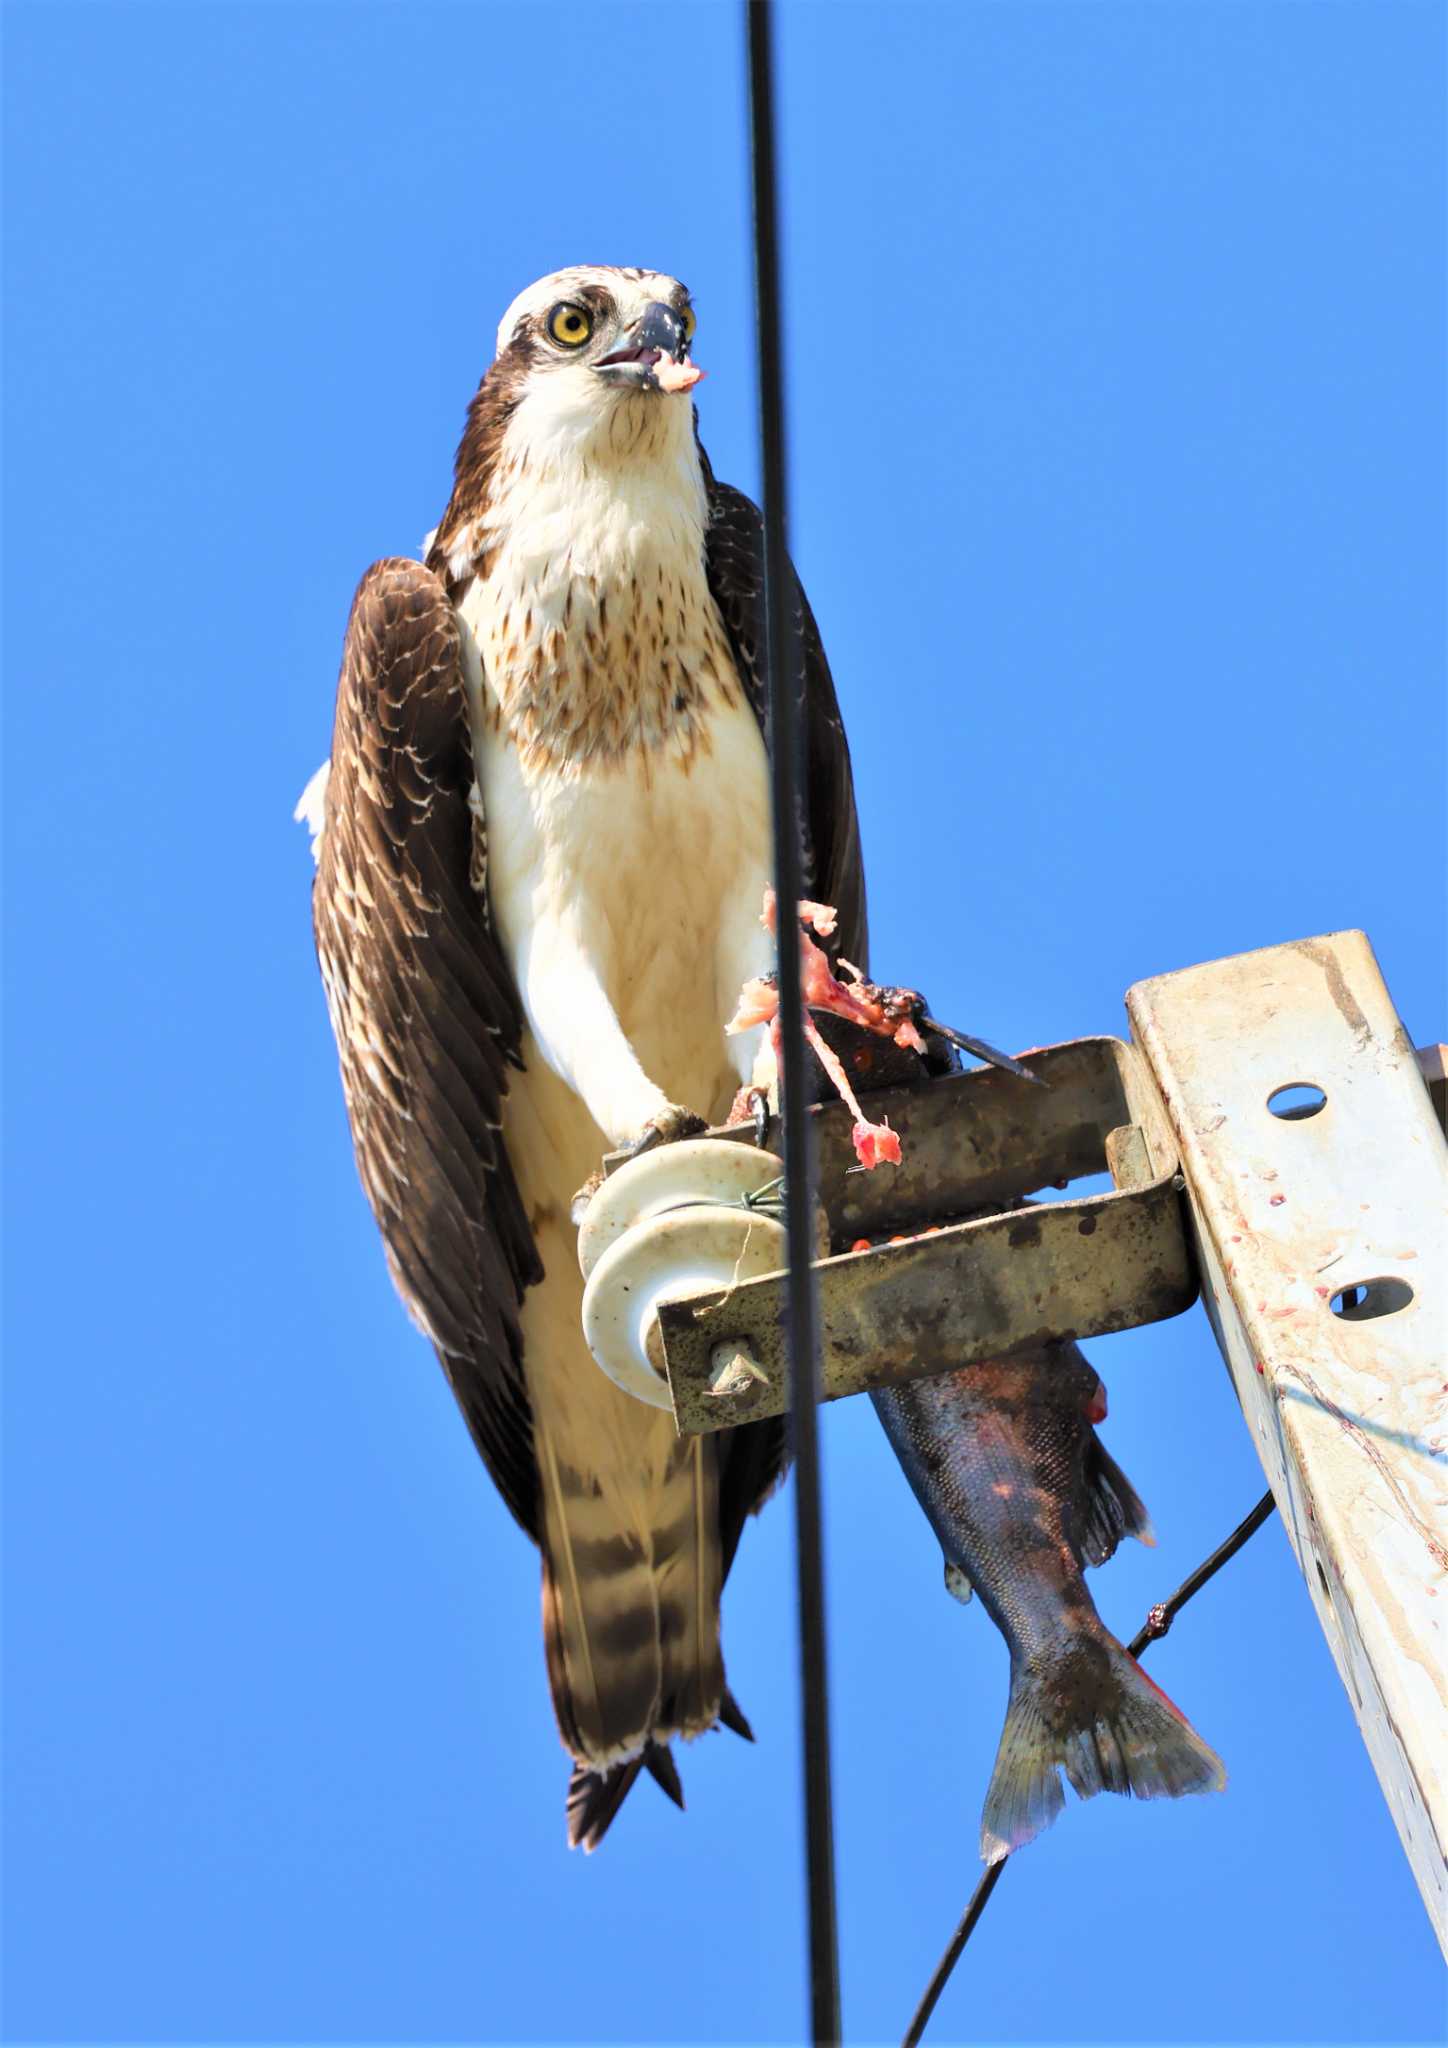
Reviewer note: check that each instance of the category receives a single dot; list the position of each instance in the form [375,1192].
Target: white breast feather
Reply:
[639,878]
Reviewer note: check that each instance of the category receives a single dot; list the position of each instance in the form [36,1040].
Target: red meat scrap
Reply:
[875,1144]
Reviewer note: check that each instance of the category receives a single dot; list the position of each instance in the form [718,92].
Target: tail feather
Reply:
[630,1613]
[1128,1738]
[731,1715]
[630,1625]
[600,1642]
[594,1797]
[660,1765]
[687,1585]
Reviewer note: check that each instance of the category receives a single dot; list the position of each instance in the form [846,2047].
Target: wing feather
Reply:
[422,1003]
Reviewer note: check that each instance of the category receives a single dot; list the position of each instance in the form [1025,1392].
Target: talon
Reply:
[578,1207]
[751,1106]
[667,1128]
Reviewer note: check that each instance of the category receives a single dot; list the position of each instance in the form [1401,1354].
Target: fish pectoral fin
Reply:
[957,1585]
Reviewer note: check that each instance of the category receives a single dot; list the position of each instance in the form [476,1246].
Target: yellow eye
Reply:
[570,324]
[690,323]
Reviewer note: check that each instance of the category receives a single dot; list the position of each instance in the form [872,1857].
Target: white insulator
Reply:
[670,1224]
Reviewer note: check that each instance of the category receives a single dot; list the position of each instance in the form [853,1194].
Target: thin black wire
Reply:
[1159,1619]
[978,1900]
[782,641]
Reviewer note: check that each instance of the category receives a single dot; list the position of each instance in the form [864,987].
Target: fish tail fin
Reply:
[1025,1789]
[1129,1738]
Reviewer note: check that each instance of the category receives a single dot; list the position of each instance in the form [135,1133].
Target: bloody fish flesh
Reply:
[1005,1461]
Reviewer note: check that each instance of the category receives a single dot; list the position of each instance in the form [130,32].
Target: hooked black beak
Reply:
[658,335]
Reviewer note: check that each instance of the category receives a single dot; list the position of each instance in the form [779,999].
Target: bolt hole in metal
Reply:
[1367,1299]
[1296,1100]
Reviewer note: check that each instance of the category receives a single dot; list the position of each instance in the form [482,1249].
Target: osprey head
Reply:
[589,365]
[581,339]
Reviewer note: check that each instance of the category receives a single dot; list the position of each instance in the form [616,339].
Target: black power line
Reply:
[784,656]
[1158,1621]
[1160,1618]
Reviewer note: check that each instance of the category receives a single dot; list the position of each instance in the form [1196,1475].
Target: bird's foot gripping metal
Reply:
[751,1112]
[672,1126]
[692,1218]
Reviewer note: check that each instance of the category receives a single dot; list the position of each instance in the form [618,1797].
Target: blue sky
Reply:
[1116,337]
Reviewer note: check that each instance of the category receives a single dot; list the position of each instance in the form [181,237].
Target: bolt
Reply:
[733,1369]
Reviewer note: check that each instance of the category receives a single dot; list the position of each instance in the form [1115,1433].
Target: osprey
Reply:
[542,842]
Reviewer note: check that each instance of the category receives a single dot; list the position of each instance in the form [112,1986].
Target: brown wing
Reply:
[423,1006]
[752,1457]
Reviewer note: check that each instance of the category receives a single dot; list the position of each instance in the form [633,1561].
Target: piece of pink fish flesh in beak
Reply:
[672,376]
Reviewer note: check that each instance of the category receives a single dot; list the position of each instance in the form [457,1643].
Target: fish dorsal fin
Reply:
[957,1585]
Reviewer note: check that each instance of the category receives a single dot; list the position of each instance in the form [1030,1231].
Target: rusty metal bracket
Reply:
[1271,1130]
[957,1291]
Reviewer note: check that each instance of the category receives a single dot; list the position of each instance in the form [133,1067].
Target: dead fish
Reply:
[1005,1461]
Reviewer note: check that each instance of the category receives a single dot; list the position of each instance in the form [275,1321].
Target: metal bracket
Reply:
[1280,1091]
[954,1293]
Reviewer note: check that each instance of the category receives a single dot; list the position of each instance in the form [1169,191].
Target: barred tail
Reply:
[1128,1737]
[630,1628]
[600,1626]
